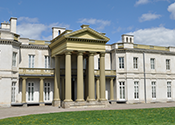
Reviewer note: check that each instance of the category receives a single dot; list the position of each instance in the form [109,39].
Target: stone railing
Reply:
[36,71]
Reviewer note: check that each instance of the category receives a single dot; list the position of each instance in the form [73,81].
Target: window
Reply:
[47,91]
[127,39]
[135,62]
[30,91]
[47,62]
[121,62]
[14,59]
[31,61]
[130,40]
[152,61]
[122,90]
[169,89]
[136,90]
[167,64]
[153,89]
[13,91]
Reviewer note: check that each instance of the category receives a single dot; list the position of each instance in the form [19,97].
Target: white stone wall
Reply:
[39,59]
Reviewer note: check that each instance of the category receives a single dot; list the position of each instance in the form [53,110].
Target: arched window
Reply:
[126,39]
[130,40]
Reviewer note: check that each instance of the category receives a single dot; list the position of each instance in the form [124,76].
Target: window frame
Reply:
[152,63]
[30,95]
[47,91]
[14,59]
[169,91]
[122,90]
[136,90]
[121,62]
[135,62]
[153,89]
[168,64]
[13,92]
[47,61]
[31,61]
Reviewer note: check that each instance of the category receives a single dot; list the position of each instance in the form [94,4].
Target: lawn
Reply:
[161,116]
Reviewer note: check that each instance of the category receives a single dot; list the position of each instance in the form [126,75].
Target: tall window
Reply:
[14,59]
[167,64]
[153,89]
[136,90]
[47,62]
[152,61]
[30,91]
[169,89]
[31,61]
[13,91]
[135,62]
[47,91]
[122,90]
[121,62]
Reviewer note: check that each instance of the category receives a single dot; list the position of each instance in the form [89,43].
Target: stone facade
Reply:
[78,69]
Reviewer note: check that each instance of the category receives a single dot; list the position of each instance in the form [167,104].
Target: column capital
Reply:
[91,54]
[102,54]
[24,77]
[42,78]
[97,78]
[112,78]
[68,53]
[80,53]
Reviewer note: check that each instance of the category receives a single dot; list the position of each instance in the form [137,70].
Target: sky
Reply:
[152,22]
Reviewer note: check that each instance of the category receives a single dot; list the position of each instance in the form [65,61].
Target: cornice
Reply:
[10,42]
[144,51]
[34,47]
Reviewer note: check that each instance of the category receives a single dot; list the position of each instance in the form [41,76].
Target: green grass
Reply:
[160,116]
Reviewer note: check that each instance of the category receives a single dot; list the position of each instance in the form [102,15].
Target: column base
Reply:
[67,104]
[24,105]
[102,99]
[80,100]
[68,100]
[56,103]
[41,104]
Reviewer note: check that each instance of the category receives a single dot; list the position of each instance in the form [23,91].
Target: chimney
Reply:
[5,25]
[56,31]
[127,38]
[13,22]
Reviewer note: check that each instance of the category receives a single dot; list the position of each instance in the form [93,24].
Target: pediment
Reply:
[87,33]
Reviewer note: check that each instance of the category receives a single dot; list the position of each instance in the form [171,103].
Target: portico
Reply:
[84,44]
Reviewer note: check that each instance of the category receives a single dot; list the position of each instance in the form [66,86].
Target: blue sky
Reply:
[151,22]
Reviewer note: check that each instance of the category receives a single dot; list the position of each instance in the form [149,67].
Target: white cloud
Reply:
[141,2]
[27,19]
[148,17]
[31,28]
[171,9]
[100,23]
[155,36]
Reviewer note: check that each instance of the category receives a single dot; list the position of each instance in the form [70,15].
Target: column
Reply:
[41,100]
[68,77]
[102,77]
[97,88]
[80,94]
[91,85]
[111,89]
[63,88]
[56,100]
[24,90]
[86,80]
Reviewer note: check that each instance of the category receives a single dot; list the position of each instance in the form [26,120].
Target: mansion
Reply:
[77,69]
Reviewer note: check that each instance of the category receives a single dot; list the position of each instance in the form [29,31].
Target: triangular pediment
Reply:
[87,33]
